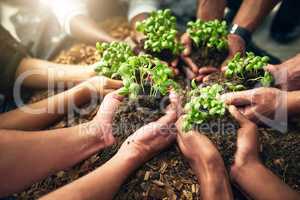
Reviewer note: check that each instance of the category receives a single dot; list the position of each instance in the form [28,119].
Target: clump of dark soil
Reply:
[203,56]
[165,55]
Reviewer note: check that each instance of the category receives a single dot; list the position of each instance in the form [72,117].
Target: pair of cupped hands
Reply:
[154,137]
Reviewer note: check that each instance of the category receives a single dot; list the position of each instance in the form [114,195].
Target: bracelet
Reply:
[240,31]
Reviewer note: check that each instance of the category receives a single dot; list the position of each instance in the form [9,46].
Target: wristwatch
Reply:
[240,31]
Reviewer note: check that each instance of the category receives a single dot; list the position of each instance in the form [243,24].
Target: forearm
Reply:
[252,13]
[293,103]
[41,74]
[213,178]
[260,183]
[43,113]
[86,29]
[103,183]
[27,157]
[211,9]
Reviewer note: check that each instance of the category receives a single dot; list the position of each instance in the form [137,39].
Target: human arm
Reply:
[27,157]
[74,19]
[206,162]
[287,74]
[264,104]
[139,11]
[40,74]
[138,148]
[41,114]
[249,172]
[250,16]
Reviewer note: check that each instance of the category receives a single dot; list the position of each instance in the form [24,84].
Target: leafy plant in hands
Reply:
[249,69]
[160,32]
[112,56]
[140,71]
[210,34]
[203,105]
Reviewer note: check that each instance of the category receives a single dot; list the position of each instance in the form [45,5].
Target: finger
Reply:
[114,84]
[224,68]
[109,106]
[238,116]
[167,119]
[190,64]
[107,91]
[199,78]
[270,68]
[188,73]
[207,70]
[175,62]
[237,98]
[206,78]
[187,43]
[176,103]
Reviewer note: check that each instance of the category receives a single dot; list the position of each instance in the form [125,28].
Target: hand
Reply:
[199,73]
[101,125]
[103,85]
[257,103]
[235,44]
[197,148]
[287,74]
[154,137]
[247,142]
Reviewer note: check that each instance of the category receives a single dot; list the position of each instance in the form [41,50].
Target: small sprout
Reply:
[211,34]
[204,104]
[249,68]
[142,70]
[112,56]
[160,32]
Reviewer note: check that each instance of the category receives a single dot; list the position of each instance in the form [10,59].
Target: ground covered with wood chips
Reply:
[167,176]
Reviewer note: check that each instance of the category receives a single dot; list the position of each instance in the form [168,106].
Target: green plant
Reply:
[203,105]
[112,56]
[140,71]
[211,34]
[249,68]
[160,32]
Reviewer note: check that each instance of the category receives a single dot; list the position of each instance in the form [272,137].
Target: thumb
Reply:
[237,98]
[238,116]
[270,68]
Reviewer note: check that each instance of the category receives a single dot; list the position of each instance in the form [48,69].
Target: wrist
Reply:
[293,102]
[244,34]
[131,158]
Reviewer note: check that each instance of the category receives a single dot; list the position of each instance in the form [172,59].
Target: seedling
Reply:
[249,69]
[160,32]
[203,105]
[209,42]
[143,70]
[112,56]
[211,34]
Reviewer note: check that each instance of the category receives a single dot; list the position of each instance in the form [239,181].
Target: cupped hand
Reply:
[154,137]
[258,104]
[287,74]
[236,44]
[196,147]
[101,125]
[247,141]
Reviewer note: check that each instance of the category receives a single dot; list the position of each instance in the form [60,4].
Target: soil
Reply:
[168,175]
[204,56]
[165,55]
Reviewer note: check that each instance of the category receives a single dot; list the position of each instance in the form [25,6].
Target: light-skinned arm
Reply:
[27,157]
[248,171]
[40,74]
[41,114]
[104,182]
